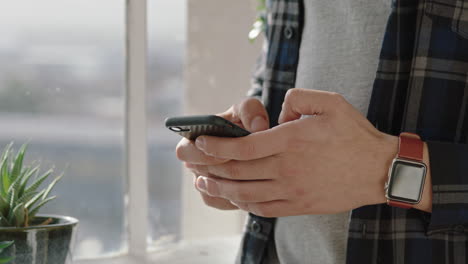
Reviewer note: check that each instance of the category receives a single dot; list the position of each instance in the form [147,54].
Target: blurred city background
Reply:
[62,88]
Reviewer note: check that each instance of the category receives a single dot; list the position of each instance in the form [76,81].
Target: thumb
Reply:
[253,115]
[298,102]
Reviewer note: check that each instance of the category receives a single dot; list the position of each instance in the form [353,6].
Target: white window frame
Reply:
[195,240]
[136,126]
[135,136]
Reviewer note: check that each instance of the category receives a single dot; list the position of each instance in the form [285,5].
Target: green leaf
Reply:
[6,150]
[11,200]
[14,186]
[5,244]
[4,221]
[26,178]
[34,211]
[39,181]
[26,197]
[5,177]
[17,166]
[261,8]
[34,200]
[51,186]
[19,197]
[5,260]
[19,214]
[2,190]
[261,5]
[4,205]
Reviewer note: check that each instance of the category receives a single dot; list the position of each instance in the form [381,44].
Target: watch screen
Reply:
[406,181]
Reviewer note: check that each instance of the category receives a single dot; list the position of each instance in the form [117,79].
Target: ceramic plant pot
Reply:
[47,244]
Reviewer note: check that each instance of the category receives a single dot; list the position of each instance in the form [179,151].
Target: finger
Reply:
[241,191]
[300,102]
[231,115]
[249,114]
[218,203]
[188,152]
[253,115]
[254,146]
[259,169]
[215,202]
[277,208]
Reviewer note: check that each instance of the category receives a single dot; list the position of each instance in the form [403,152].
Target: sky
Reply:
[96,15]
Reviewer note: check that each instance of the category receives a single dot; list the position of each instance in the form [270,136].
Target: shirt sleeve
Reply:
[258,74]
[449,173]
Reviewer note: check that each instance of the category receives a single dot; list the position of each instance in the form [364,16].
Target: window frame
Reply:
[136,158]
[136,169]
[136,126]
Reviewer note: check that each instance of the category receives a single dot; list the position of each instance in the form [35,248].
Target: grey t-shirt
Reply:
[339,52]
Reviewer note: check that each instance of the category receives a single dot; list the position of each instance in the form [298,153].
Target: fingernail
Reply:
[201,183]
[258,124]
[200,143]
[280,118]
[207,186]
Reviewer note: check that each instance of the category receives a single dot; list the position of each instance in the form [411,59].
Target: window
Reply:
[166,32]
[62,86]
[73,83]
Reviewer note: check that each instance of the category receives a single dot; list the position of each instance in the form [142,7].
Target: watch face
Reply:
[406,181]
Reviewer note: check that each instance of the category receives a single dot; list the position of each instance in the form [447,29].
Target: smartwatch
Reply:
[407,173]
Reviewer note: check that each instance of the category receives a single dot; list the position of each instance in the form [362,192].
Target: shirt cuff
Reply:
[449,175]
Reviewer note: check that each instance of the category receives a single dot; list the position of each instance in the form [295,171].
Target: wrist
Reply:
[386,152]
[392,147]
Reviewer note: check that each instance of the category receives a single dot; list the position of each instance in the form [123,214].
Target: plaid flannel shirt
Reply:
[421,86]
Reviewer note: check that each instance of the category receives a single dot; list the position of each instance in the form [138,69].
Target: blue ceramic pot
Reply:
[48,244]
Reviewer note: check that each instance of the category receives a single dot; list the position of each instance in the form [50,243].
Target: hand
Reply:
[330,162]
[251,115]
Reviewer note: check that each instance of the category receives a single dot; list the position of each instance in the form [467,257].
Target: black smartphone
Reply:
[208,125]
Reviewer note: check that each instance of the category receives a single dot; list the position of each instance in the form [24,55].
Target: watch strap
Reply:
[399,204]
[410,147]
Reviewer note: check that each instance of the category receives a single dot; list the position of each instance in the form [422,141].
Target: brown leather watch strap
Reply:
[410,147]
[400,204]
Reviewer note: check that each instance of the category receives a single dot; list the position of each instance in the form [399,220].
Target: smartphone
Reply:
[208,125]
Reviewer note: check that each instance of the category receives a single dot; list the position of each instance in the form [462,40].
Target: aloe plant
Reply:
[3,246]
[21,200]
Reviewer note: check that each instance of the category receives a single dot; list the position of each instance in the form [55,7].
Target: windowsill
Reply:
[218,251]
[207,251]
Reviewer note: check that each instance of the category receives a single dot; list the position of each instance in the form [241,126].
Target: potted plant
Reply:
[38,239]
[3,246]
